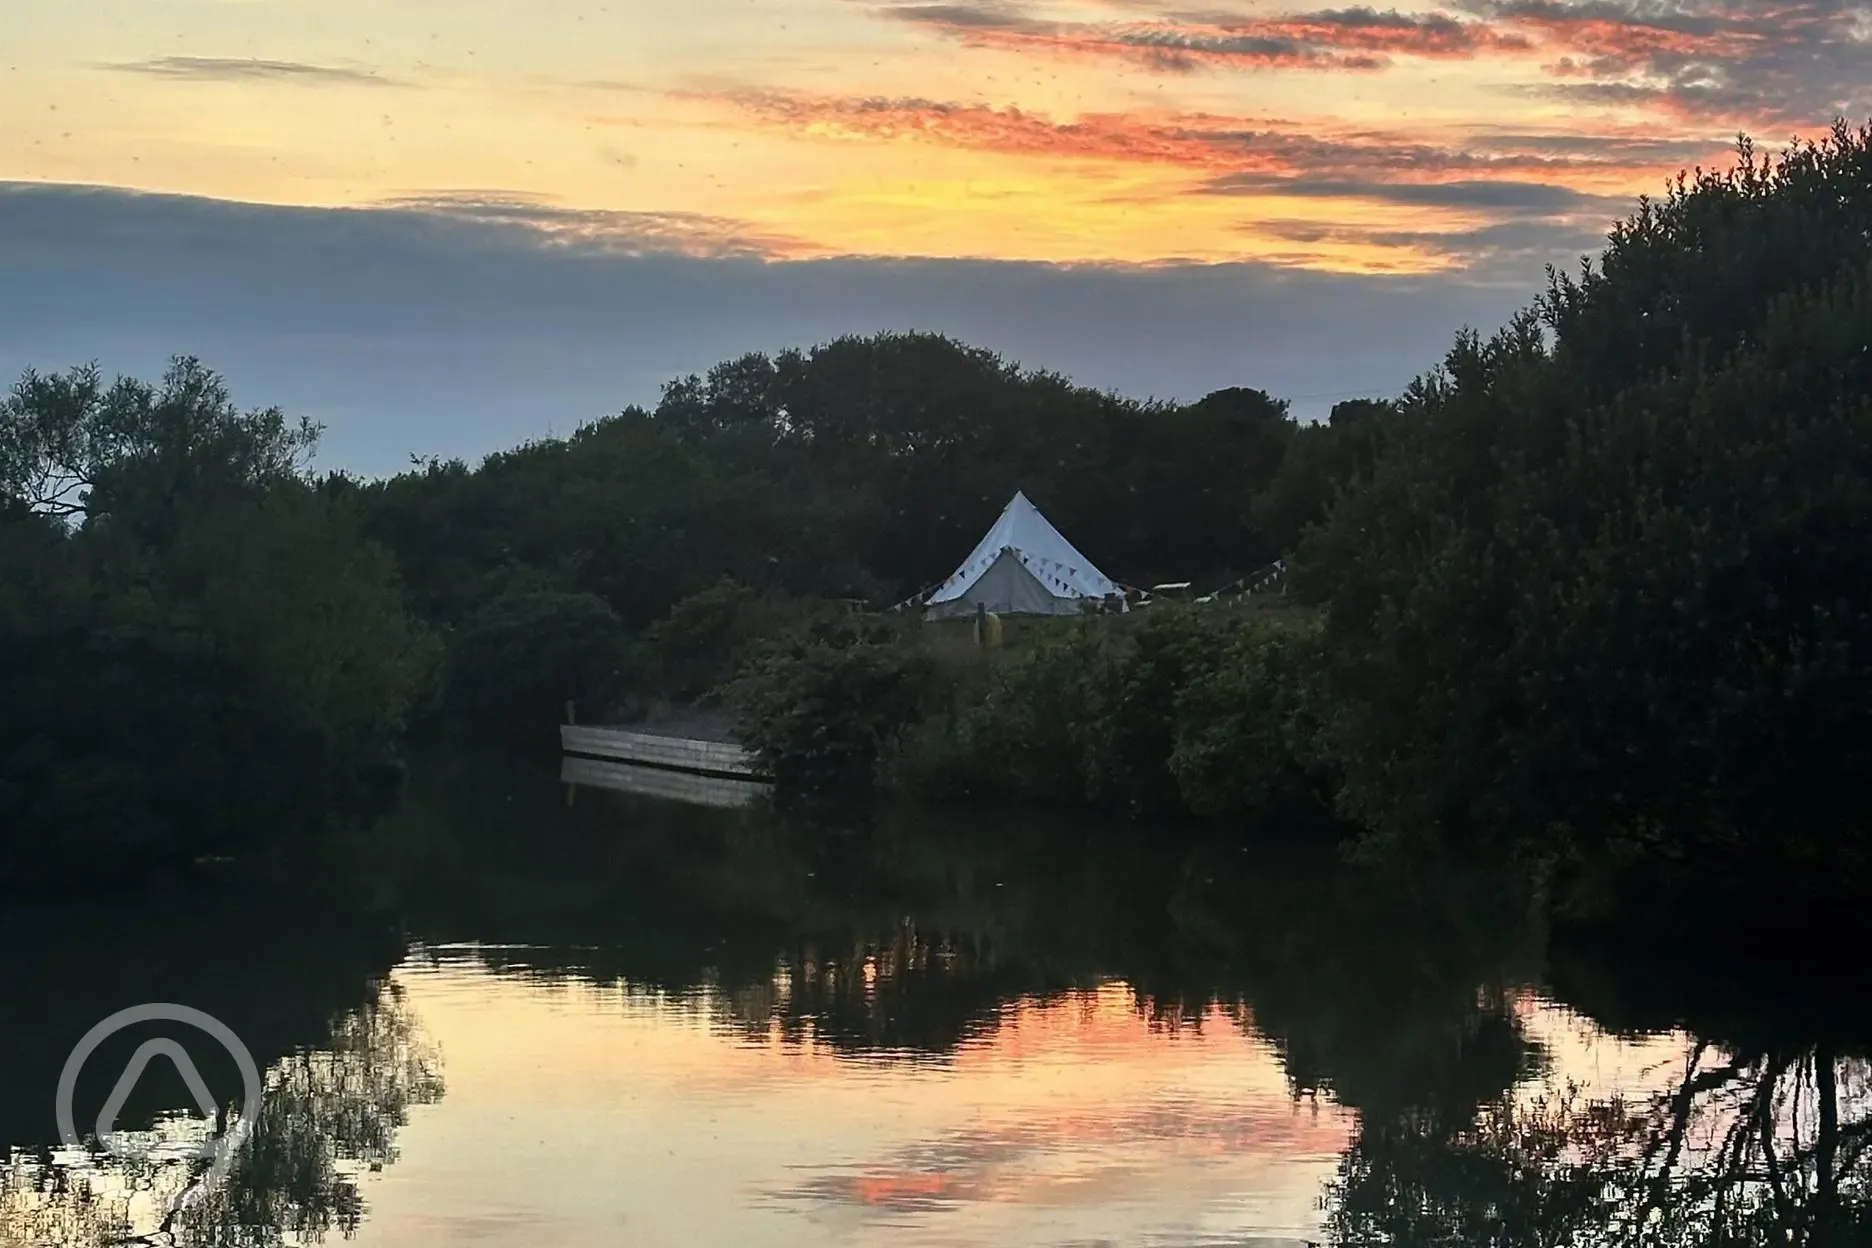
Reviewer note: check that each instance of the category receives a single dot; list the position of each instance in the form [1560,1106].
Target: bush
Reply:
[222,691]
[818,712]
[1020,738]
[1605,589]
[701,642]
[708,637]
[1191,712]
[1248,731]
[522,657]
[1132,727]
[941,759]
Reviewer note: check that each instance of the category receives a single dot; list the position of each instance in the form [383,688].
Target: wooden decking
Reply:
[648,749]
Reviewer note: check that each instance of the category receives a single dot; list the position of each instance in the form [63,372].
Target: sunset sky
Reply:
[570,201]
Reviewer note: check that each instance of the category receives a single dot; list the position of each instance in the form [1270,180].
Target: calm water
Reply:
[527,1014]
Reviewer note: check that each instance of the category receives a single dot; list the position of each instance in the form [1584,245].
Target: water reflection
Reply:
[338,1085]
[1416,1013]
[1733,1149]
[666,1024]
[329,1114]
[659,1119]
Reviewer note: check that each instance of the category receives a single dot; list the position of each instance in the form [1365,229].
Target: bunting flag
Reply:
[1060,571]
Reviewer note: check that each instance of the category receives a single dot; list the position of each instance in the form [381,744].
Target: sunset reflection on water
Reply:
[578,1113]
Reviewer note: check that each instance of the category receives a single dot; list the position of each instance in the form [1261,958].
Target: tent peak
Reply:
[1061,574]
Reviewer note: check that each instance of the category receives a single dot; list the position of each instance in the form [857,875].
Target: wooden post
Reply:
[571,712]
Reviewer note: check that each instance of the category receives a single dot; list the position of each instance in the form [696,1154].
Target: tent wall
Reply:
[1052,560]
[1006,588]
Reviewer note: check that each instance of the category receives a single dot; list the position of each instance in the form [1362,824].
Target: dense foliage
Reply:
[1590,592]
[860,470]
[1604,595]
[520,658]
[708,637]
[818,710]
[198,649]
[864,468]
[1183,711]
[1249,737]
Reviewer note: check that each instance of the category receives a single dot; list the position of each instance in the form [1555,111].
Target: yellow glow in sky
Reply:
[1415,139]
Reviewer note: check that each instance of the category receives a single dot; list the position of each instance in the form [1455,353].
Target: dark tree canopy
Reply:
[198,647]
[1605,592]
[866,467]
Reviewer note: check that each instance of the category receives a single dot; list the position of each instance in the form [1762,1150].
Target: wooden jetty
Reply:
[649,749]
[724,792]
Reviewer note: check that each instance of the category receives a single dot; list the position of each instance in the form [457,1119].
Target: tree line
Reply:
[1590,593]
[1591,587]
[199,648]
[864,468]
[202,638]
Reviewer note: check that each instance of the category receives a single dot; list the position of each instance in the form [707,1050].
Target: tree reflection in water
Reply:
[1393,992]
[329,1113]
[1754,1148]
[902,937]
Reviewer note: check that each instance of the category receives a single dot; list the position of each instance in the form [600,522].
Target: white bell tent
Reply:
[1022,567]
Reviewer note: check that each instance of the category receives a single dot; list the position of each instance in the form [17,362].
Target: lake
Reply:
[520,1012]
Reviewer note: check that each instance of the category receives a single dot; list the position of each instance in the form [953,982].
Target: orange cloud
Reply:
[1125,184]
[1193,142]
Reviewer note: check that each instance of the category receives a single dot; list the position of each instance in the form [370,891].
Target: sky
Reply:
[443,226]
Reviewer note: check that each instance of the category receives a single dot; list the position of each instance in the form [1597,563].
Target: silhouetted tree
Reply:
[1600,595]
